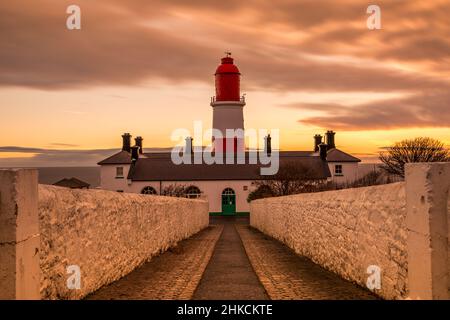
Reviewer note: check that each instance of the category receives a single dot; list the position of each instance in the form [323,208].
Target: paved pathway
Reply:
[287,276]
[231,260]
[174,275]
[229,275]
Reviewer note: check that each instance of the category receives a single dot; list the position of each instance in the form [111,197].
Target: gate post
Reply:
[427,190]
[19,235]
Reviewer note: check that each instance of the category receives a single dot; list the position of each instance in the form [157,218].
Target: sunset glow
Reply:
[146,67]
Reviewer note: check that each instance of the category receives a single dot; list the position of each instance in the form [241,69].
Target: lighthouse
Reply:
[228,108]
[227,187]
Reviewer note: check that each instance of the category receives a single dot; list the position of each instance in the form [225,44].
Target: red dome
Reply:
[227,81]
[227,66]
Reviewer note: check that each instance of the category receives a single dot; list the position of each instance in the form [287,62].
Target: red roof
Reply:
[227,66]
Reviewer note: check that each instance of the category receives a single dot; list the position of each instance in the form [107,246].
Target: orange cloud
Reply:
[301,45]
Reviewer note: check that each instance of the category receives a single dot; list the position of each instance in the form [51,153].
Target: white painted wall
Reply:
[211,190]
[349,172]
[228,115]
[137,186]
[108,180]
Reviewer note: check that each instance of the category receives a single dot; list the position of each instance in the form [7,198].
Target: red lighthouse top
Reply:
[227,80]
[227,66]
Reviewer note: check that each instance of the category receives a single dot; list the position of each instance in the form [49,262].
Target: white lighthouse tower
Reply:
[228,108]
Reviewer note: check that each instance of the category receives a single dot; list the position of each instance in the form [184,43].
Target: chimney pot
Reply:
[138,141]
[317,141]
[126,144]
[323,151]
[189,145]
[134,153]
[330,139]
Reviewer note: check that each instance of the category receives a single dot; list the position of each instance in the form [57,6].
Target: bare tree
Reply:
[420,149]
[292,178]
[262,191]
[174,190]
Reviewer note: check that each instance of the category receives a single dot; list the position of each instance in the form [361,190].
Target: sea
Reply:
[50,175]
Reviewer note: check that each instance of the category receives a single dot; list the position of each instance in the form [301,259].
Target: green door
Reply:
[228,202]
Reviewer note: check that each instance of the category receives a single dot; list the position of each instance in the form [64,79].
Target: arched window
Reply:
[148,190]
[193,192]
[228,191]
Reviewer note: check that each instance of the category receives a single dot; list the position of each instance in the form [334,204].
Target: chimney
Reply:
[138,141]
[189,145]
[317,141]
[134,153]
[330,139]
[323,151]
[126,145]
[268,144]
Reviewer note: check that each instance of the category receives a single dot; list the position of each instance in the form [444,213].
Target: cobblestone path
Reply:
[229,275]
[287,276]
[174,275]
[231,260]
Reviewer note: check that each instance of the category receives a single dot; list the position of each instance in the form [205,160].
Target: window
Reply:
[148,190]
[193,192]
[119,172]
[228,191]
[120,191]
[338,170]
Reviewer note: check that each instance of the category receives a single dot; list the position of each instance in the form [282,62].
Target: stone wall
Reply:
[19,235]
[427,198]
[107,234]
[345,231]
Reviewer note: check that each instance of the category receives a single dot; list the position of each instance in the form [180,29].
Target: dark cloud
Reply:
[116,46]
[128,42]
[423,110]
[419,49]
[309,75]
[112,48]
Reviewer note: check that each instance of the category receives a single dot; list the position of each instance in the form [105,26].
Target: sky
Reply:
[146,67]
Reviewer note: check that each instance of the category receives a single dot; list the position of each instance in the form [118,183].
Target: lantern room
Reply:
[227,80]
